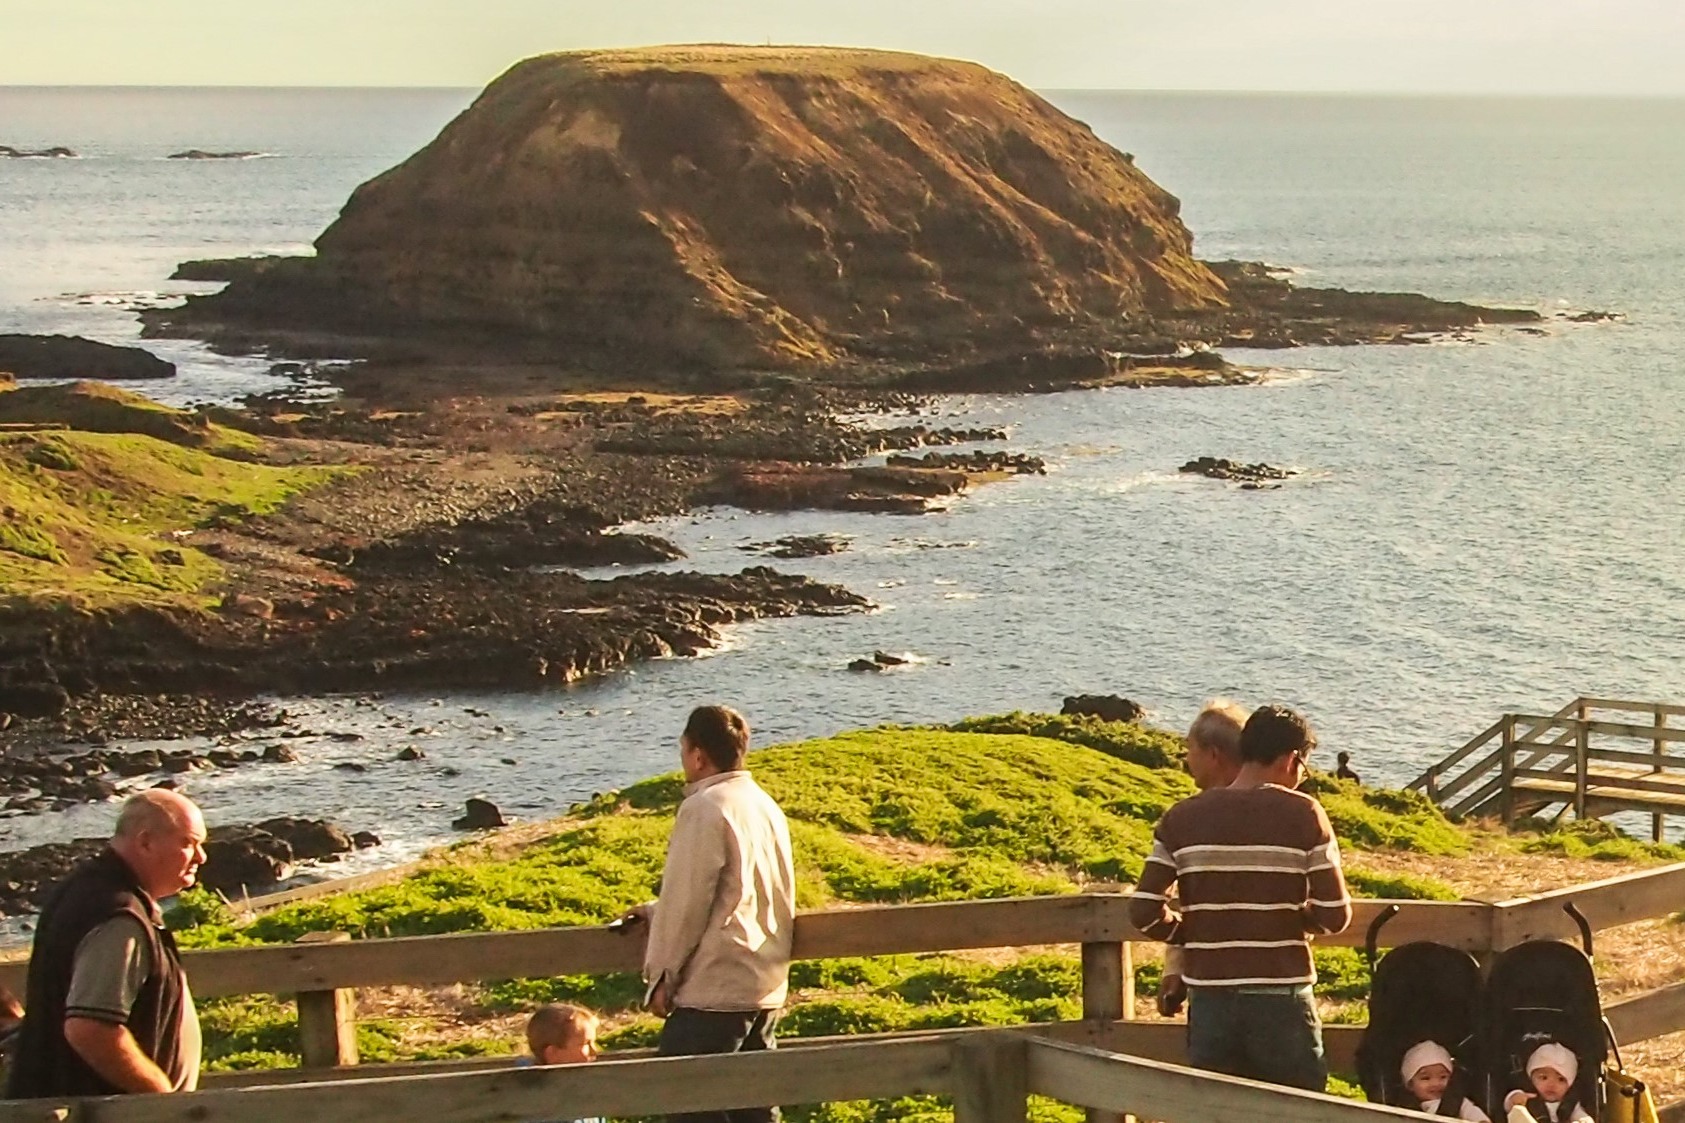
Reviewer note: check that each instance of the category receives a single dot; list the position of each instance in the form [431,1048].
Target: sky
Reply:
[1601,47]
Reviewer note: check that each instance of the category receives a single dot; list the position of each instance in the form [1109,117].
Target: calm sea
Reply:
[1478,528]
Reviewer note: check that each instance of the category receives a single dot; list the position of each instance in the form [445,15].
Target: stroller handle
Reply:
[1371,940]
[1584,925]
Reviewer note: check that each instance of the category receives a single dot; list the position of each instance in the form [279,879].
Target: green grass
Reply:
[90,516]
[883,815]
[1592,839]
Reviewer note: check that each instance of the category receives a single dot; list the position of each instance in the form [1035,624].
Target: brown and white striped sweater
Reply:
[1256,871]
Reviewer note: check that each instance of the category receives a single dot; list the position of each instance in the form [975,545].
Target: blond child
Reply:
[560,1034]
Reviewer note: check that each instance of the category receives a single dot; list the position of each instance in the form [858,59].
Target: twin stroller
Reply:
[1539,996]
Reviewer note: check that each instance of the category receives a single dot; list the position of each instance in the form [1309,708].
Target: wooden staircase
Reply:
[1590,757]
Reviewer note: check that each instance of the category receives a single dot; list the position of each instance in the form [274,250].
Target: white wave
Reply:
[1287,376]
[1151,478]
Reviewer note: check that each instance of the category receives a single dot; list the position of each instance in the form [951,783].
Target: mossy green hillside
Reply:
[879,816]
[90,515]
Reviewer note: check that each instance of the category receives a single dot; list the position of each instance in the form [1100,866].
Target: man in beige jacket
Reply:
[718,959]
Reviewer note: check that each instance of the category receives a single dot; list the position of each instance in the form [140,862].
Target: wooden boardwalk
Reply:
[1593,757]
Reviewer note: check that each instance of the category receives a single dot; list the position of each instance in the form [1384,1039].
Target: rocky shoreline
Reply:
[448,558]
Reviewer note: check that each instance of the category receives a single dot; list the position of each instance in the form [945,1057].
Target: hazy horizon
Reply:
[1514,48]
[1402,95]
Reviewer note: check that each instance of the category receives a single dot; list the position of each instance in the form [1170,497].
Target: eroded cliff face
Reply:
[730,206]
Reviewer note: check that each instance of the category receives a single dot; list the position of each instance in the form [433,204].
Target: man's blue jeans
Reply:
[1262,1033]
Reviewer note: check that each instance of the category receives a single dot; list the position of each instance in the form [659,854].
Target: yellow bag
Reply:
[1626,1099]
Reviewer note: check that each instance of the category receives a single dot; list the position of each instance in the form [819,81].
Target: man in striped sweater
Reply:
[1257,872]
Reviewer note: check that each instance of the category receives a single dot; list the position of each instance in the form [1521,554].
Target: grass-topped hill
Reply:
[993,807]
[96,482]
[743,207]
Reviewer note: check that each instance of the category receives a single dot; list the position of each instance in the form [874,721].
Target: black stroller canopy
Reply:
[1545,988]
[1420,992]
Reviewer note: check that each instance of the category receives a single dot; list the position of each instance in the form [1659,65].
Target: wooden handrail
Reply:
[879,930]
[1459,756]
[1445,792]
[1633,707]
[1093,1078]
[1539,725]
[848,1071]
[1610,903]
[990,1074]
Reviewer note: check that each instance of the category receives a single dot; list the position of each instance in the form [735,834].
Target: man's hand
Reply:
[111,1051]
[660,999]
[1172,995]
[637,914]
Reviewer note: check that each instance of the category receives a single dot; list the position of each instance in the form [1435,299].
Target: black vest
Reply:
[44,1064]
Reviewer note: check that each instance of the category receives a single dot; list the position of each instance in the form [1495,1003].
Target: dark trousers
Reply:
[690,1033]
[1271,1034]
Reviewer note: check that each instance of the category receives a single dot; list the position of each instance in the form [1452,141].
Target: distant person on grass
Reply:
[1258,871]
[1213,762]
[109,1009]
[718,959]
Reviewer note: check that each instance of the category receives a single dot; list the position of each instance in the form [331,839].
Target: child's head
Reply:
[559,1034]
[1551,1069]
[1427,1070]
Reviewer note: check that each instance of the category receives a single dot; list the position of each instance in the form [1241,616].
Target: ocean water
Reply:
[1478,527]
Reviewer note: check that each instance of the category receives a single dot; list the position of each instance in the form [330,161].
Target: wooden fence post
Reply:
[1506,769]
[1582,766]
[1108,994]
[1658,819]
[327,1019]
[992,1079]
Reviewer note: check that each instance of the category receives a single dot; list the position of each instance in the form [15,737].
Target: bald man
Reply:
[109,1009]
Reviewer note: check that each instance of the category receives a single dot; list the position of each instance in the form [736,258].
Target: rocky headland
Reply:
[868,216]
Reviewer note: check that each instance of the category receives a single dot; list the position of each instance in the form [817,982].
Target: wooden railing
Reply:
[988,1074]
[1544,760]
[324,975]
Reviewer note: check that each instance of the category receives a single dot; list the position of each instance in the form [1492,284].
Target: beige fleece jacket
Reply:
[721,929]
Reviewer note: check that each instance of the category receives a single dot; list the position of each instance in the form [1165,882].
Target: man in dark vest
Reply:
[108,1005]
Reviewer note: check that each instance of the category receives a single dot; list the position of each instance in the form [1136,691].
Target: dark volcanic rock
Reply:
[201,154]
[69,356]
[241,859]
[27,876]
[480,815]
[1252,477]
[791,487]
[1107,707]
[7,152]
[1267,311]
[307,838]
[880,661]
[801,546]
[986,463]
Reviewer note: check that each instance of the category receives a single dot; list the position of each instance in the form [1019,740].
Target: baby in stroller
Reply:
[1428,1070]
[1553,1070]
